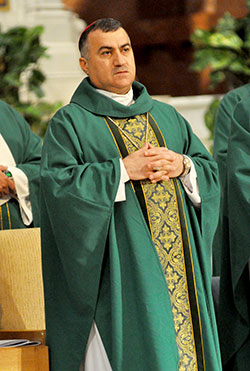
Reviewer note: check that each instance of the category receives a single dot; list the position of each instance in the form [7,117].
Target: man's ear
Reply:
[84,64]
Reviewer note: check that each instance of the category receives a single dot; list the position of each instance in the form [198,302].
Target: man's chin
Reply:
[123,84]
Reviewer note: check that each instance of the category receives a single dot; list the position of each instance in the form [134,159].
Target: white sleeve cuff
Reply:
[23,195]
[190,185]
[121,194]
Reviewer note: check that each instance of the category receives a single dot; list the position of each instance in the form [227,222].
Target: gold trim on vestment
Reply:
[159,130]
[8,213]
[185,266]
[162,208]
[127,151]
[198,309]
[117,147]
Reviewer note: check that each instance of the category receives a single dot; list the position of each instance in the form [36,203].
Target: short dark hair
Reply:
[103,24]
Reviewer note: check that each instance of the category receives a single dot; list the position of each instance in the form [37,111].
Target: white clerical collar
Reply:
[125,99]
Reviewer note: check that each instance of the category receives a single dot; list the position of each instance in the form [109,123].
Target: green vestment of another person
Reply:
[139,268]
[234,302]
[220,150]
[25,148]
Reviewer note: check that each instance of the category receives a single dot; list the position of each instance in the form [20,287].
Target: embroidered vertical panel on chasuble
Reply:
[163,210]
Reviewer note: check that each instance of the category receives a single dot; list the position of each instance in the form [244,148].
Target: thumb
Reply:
[147,146]
[150,146]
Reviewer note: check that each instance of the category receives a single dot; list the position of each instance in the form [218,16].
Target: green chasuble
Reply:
[139,268]
[234,305]
[220,149]
[26,148]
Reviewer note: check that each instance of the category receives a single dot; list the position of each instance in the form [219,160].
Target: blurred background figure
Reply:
[234,300]
[20,153]
[220,151]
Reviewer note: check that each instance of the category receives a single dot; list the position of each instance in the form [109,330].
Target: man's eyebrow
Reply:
[127,44]
[105,47]
[111,47]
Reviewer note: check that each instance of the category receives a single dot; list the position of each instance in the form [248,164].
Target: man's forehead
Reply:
[98,38]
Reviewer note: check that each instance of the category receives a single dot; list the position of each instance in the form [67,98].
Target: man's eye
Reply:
[126,49]
[106,52]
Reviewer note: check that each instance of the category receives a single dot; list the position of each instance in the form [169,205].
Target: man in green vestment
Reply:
[129,203]
[20,155]
[234,299]
[220,147]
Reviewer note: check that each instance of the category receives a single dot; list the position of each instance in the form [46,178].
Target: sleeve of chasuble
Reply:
[30,166]
[26,149]
[78,192]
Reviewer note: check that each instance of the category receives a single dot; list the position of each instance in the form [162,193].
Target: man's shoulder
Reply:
[69,110]
[70,116]
[157,104]
[12,116]
[7,108]
[167,110]
[3,104]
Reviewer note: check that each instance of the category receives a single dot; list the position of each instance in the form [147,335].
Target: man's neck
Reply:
[125,99]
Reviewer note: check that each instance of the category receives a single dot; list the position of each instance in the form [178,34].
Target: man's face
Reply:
[110,61]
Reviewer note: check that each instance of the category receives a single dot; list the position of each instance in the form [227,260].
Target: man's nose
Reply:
[119,58]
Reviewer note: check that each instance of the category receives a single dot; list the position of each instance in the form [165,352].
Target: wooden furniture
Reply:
[33,358]
[22,300]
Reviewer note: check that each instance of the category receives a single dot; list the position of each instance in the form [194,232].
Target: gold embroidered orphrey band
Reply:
[124,132]
[163,214]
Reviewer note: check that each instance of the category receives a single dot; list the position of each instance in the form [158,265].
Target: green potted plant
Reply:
[225,50]
[20,52]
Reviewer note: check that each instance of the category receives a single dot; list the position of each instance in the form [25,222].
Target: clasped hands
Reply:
[153,163]
[7,185]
